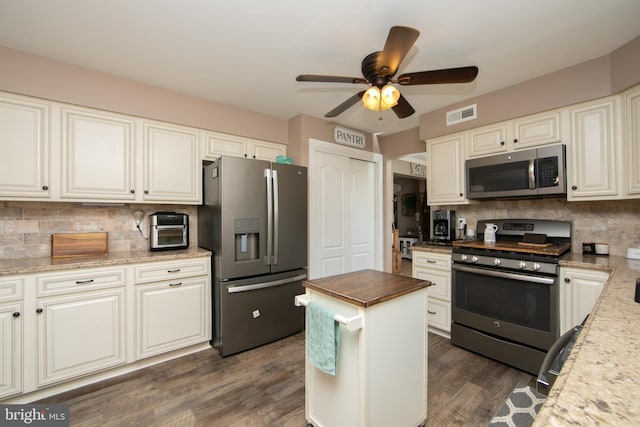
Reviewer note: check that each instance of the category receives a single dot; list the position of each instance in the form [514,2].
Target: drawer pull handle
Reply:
[176,270]
[16,314]
[431,312]
[175,284]
[430,261]
[82,282]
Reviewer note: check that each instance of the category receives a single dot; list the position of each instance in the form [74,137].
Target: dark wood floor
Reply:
[265,387]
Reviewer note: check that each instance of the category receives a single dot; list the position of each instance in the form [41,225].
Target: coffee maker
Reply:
[444,225]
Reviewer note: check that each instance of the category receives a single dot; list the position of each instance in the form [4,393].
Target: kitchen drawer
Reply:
[80,280]
[167,270]
[441,281]
[432,260]
[11,288]
[439,314]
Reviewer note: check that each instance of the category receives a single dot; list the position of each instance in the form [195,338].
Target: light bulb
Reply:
[389,96]
[371,98]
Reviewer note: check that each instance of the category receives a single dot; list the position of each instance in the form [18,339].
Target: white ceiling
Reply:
[247,53]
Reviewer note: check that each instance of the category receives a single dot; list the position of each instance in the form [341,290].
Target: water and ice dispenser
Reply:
[247,238]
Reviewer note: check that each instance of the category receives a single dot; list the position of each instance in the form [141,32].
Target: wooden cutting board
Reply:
[78,244]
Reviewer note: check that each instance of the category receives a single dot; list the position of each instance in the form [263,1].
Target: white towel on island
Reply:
[323,338]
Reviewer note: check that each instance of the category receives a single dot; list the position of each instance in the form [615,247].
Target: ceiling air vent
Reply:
[462,115]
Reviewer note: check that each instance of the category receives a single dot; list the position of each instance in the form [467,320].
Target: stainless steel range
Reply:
[506,294]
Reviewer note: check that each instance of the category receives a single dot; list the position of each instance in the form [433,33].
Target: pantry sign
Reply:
[348,137]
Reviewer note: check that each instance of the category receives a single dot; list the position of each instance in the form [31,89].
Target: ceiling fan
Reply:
[378,69]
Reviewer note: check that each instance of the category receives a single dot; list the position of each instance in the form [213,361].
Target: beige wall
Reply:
[592,79]
[44,78]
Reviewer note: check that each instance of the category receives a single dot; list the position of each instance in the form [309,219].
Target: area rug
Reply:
[520,408]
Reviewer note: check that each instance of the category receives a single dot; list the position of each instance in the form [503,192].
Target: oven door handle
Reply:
[505,275]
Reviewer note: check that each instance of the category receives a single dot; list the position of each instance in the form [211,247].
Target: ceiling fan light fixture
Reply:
[389,96]
[371,98]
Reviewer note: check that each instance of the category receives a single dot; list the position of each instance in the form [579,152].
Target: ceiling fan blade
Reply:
[449,75]
[345,105]
[398,44]
[403,108]
[329,79]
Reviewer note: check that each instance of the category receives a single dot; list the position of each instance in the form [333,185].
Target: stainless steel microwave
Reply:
[528,173]
[168,230]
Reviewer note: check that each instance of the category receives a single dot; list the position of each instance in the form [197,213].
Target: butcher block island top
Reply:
[366,287]
[554,249]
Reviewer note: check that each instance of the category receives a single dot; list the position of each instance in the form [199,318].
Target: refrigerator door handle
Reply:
[276,220]
[267,175]
[253,287]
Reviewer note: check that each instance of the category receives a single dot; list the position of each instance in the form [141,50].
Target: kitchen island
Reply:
[599,383]
[381,377]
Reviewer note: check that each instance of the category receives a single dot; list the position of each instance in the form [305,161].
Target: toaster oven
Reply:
[168,230]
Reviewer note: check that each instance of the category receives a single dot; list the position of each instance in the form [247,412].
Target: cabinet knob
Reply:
[16,314]
[574,187]
[146,191]
[254,156]
[515,140]
[460,194]
[245,155]
[501,142]
[567,280]
[38,310]
[45,187]
[132,191]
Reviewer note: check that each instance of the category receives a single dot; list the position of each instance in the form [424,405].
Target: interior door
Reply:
[343,234]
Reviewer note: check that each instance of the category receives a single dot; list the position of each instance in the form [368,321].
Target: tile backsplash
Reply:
[26,227]
[615,222]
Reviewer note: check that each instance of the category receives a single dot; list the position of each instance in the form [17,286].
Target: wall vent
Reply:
[462,115]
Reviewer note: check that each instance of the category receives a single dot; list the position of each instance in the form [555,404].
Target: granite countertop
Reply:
[425,247]
[44,264]
[599,383]
[366,287]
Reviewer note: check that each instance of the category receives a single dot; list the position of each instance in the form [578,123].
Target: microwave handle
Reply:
[532,174]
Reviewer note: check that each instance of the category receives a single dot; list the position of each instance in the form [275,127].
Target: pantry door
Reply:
[345,212]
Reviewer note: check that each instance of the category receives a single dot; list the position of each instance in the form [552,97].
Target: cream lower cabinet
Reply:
[171,315]
[67,328]
[436,268]
[172,306]
[580,290]
[11,330]
[81,323]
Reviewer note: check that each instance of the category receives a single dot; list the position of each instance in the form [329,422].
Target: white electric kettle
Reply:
[490,233]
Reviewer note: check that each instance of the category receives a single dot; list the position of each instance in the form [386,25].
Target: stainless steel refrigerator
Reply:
[254,220]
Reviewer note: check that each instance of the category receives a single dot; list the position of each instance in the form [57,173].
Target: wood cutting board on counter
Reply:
[69,245]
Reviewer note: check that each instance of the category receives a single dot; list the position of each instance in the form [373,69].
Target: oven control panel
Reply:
[506,263]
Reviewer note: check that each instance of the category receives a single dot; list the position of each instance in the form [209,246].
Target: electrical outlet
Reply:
[461,223]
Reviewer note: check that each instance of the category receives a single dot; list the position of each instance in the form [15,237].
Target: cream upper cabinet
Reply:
[218,144]
[445,171]
[525,132]
[580,291]
[97,155]
[536,130]
[632,138]
[264,150]
[25,147]
[487,140]
[596,151]
[172,165]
